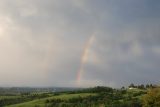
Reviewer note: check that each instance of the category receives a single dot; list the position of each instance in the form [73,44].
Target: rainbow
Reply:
[84,58]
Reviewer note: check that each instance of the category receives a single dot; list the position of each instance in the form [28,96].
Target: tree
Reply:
[152,98]
[151,85]
[147,86]
[131,85]
[142,86]
[123,88]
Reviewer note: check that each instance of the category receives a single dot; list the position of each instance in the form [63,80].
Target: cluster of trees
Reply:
[142,86]
[106,97]
[73,102]
[97,89]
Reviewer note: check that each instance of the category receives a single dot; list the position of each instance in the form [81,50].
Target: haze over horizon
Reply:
[79,42]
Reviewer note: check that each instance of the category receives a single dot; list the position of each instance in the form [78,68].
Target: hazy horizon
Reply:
[79,43]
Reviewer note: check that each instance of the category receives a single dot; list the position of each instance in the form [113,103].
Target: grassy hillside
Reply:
[41,102]
[90,97]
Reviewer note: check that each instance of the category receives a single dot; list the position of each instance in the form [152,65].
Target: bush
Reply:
[152,98]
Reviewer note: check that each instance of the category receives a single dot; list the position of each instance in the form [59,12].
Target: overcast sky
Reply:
[79,42]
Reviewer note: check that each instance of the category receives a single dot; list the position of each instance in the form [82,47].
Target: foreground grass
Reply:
[41,102]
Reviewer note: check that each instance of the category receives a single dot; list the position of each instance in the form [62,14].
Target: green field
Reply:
[9,97]
[41,102]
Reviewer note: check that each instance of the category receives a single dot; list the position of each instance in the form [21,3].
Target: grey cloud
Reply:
[42,42]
